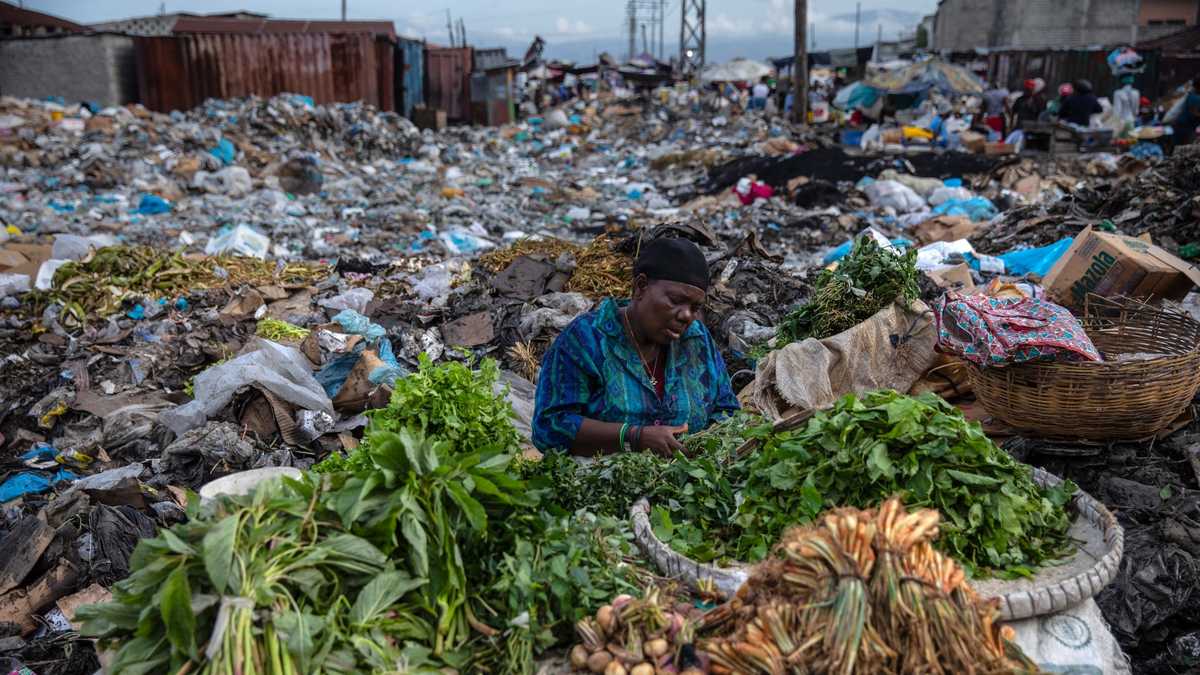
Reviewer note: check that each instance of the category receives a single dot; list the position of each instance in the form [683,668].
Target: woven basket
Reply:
[1102,401]
[1100,543]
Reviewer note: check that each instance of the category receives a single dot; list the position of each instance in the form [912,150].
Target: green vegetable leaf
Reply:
[219,543]
[177,614]
[380,593]
[470,507]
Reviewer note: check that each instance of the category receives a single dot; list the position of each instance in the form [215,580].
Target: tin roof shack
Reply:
[492,87]
[20,22]
[448,81]
[97,68]
[180,72]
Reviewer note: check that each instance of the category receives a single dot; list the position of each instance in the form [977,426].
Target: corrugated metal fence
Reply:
[178,73]
[410,75]
[448,81]
[1011,68]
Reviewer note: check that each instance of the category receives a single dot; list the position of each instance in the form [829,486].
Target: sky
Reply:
[573,29]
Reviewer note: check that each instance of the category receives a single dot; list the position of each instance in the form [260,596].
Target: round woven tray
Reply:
[1100,545]
[1110,400]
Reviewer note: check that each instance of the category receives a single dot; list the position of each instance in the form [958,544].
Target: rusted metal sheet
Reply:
[448,81]
[177,73]
[410,75]
[222,24]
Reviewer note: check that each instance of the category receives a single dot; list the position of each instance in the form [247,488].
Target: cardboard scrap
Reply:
[1115,265]
[89,596]
[944,228]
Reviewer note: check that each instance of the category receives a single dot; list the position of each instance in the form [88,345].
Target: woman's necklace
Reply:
[649,370]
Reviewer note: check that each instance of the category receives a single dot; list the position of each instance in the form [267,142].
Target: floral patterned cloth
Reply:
[991,331]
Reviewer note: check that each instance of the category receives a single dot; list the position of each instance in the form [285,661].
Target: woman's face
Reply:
[665,309]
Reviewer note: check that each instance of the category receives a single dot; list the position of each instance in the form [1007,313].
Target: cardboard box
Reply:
[429,118]
[1113,265]
[944,228]
[973,141]
[999,148]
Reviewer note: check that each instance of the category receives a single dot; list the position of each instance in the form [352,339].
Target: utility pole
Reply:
[450,27]
[462,33]
[812,36]
[693,35]
[857,20]
[631,10]
[662,21]
[800,68]
[343,10]
[645,44]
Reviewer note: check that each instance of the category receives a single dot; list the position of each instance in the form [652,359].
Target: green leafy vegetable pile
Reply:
[448,401]
[870,278]
[432,553]
[995,519]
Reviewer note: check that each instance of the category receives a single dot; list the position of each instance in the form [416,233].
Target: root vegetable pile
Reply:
[637,636]
[861,592]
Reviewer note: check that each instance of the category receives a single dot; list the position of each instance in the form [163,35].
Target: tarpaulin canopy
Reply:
[737,70]
[921,76]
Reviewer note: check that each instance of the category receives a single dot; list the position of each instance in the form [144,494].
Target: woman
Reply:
[635,375]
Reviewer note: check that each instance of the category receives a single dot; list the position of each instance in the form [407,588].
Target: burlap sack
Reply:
[890,350]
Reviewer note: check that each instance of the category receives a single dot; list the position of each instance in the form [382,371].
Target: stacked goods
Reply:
[860,592]
[870,278]
[636,636]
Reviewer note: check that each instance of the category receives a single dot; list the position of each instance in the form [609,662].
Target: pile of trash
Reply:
[239,287]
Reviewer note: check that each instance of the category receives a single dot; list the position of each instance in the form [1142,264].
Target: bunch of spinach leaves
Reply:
[995,519]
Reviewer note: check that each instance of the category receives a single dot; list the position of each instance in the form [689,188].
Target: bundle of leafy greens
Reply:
[448,401]
[692,493]
[431,554]
[867,280]
[995,519]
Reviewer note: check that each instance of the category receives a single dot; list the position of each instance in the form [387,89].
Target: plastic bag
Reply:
[1075,640]
[354,299]
[241,240]
[975,208]
[894,195]
[283,371]
[945,194]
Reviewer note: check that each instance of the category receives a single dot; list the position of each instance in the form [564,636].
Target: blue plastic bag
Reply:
[151,205]
[31,483]
[224,151]
[975,208]
[1037,261]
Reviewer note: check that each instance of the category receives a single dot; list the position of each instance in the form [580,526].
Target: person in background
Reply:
[783,89]
[1079,107]
[1125,101]
[1189,117]
[993,107]
[1054,107]
[635,374]
[758,98]
[1029,105]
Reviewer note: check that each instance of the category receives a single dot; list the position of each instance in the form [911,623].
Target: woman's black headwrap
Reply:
[673,260]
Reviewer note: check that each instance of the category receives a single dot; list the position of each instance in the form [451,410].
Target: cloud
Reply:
[564,26]
[723,25]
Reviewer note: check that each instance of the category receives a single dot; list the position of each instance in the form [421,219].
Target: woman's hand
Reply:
[661,440]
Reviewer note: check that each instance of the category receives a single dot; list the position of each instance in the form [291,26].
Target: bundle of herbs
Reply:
[996,519]
[867,280]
